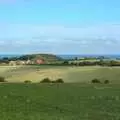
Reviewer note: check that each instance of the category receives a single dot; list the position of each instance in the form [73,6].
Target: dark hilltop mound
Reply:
[45,57]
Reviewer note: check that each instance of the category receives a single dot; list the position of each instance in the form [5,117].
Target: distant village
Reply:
[26,62]
[31,59]
[23,62]
[51,59]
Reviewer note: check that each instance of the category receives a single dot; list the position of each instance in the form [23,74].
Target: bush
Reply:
[59,81]
[96,80]
[46,80]
[2,79]
[53,81]
[106,82]
[27,81]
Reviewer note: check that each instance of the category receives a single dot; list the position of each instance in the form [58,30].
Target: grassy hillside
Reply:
[69,74]
[73,100]
[59,102]
[46,57]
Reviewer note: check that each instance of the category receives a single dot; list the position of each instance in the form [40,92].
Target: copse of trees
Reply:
[4,61]
[27,81]
[91,63]
[95,80]
[98,81]
[106,82]
[2,79]
[60,80]
[45,80]
[48,80]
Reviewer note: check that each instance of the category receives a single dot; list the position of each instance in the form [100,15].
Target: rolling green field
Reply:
[76,99]
[67,101]
[68,74]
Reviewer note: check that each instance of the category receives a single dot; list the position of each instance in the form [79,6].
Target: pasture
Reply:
[73,100]
[67,101]
[68,74]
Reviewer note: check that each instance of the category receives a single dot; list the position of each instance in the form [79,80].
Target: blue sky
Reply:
[60,26]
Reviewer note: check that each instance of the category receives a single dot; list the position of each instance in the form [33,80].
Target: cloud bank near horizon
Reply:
[25,38]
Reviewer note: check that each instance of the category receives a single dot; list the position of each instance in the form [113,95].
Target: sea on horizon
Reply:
[67,56]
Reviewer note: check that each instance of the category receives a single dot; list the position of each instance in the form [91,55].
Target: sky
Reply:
[60,26]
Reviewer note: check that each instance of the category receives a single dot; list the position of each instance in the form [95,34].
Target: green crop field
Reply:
[76,99]
[67,101]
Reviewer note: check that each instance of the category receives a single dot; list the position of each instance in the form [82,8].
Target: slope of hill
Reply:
[46,57]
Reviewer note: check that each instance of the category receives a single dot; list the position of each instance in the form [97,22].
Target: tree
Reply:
[76,58]
[66,62]
[5,58]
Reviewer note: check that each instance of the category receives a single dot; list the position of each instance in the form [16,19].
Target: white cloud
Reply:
[61,39]
[2,42]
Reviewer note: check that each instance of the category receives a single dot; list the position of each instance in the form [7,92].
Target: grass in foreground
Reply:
[59,102]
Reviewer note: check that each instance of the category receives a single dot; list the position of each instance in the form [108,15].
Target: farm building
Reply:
[12,63]
[21,63]
[40,61]
[28,62]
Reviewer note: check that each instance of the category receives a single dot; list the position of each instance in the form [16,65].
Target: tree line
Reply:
[93,63]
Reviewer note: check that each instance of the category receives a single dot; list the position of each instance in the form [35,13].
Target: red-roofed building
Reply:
[40,61]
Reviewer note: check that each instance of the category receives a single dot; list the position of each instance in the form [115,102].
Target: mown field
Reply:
[67,101]
[68,74]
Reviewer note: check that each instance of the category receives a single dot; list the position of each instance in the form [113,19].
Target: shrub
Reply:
[27,81]
[46,80]
[95,80]
[2,79]
[106,82]
[53,81]
[59,81]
